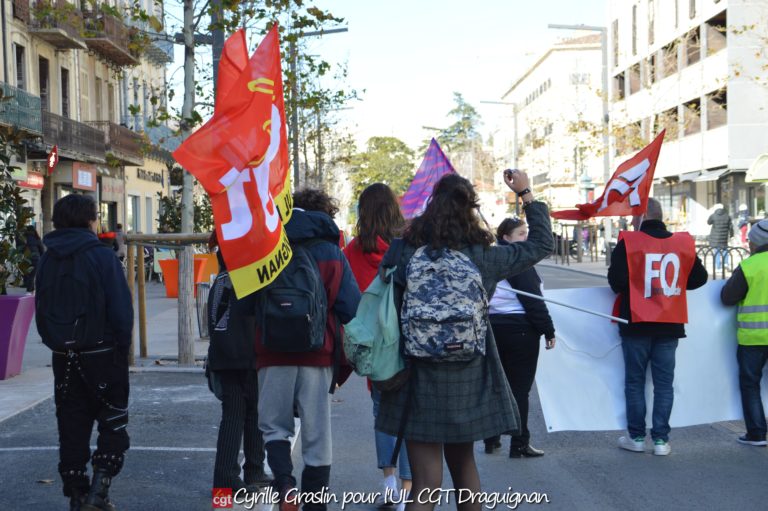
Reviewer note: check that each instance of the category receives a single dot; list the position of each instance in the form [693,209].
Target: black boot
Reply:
[279,459]
[492,443]
[525,451]
[76,499]
[98,495]
[315,480]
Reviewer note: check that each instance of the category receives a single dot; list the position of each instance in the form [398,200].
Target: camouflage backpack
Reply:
[445,308]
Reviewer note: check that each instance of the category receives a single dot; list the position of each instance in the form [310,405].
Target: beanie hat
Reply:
[759,233]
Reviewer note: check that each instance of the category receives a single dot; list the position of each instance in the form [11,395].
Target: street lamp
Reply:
[606,157]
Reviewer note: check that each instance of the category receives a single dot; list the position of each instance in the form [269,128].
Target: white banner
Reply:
[581,381]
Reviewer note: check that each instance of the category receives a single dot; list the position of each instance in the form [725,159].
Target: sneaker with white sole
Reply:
[747,440]
[661,448]
[636,444]
[388,492]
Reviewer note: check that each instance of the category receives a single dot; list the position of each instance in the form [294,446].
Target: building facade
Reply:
[83,77]
[696,68]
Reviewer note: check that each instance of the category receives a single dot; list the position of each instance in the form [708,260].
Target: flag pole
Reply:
[484,220]
[549,300]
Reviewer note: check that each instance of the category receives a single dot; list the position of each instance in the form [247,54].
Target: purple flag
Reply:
[434,166]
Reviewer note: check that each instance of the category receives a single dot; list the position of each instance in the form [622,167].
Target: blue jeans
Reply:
[722,257]
[638,352]
[751,361]
[385,444]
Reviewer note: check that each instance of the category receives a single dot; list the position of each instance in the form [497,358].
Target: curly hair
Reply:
[312,199]
[378,215]
[450,219]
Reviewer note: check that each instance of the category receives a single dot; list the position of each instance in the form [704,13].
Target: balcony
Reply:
[125,144]
[59,24]
[74,139]
[21,10]
[108,36]
[20,109]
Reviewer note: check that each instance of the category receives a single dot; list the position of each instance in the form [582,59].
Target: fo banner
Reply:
[240,156]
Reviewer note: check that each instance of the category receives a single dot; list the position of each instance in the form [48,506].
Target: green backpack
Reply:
[372,338]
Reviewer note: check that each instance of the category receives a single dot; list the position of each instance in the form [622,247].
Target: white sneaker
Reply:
[388,489]
[661,448]
[632,444]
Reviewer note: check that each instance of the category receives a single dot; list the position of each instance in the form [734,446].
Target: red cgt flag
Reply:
[240,156]
[626,193]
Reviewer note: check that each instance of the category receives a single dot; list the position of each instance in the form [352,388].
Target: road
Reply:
[173,427]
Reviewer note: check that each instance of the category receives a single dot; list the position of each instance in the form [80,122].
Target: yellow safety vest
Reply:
[752,317]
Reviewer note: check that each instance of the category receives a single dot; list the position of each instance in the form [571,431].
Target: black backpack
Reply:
[294,307]
[70,308]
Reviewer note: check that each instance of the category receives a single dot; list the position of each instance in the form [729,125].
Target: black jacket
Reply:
[735,289]
[536,317]
[119,306]
[33,244]
[722,228]
[233,349]
[618,278]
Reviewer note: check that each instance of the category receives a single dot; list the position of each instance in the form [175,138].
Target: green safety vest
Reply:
[752,317]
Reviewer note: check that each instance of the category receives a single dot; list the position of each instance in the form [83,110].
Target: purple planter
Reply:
[15,316]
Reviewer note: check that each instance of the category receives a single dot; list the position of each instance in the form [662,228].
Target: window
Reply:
[691,9]
[692,117]
[618,87]
[634,30]
[651,21]
[148,216]
[133,214]
[98,99]
[111,103]
[692,52]
[667,120]
[85,106]
[615,32]
[64,92]
[634,79]
[21,71]
[717,108]
[716,33]
[650,71]
[669,59]
[44,84]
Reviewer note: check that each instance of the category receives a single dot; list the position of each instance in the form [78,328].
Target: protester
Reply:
[303,379]
[720,233]
[743,224]
[231,369]
[447,405]
[748,288]
[651,336]
[518,322]
[378,221]
[84,313]
[34,248]
[121,245]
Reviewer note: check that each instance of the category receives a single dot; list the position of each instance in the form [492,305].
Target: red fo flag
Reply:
[240,156]
[53,159]
[626,193]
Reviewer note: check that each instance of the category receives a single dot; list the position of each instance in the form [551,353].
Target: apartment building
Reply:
[82,76]
[557,130]
[696,68]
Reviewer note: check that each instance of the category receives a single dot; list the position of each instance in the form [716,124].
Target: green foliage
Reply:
[386,160]
[14,217]
[462,134]
[170,214]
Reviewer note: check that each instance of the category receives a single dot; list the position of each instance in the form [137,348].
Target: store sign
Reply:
[148,175]
[112,190]
[83,176]
[34,180]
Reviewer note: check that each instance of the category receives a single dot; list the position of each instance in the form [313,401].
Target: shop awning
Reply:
[758,171]
[710,175]
[689,176]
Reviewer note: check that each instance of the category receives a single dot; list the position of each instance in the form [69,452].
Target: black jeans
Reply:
[751,361]
[90,388]
[29,278]
[239,423]
[519,354]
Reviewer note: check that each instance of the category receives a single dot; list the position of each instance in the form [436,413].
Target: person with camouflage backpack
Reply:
[457,392]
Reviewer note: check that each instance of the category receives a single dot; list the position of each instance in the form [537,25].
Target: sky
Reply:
[406,58]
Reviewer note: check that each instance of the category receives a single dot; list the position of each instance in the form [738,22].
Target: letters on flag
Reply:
[240,156]
[434,166]
[626,193]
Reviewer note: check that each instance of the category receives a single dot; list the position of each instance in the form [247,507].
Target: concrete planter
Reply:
[16,314]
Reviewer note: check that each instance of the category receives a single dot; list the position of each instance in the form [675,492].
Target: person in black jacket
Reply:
[89,385]
[720,233]
[33,245]
[648,342]
[231,370]
[518,323]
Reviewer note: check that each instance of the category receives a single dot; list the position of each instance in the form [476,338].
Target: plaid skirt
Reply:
[452,402]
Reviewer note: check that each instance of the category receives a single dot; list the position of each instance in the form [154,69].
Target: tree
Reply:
[14,216]
[386,160]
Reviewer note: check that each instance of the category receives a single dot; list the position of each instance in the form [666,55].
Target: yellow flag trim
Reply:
[251,278]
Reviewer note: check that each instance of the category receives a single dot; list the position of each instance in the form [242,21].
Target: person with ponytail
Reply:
[445,406]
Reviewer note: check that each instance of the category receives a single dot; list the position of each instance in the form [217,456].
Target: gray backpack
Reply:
[445,308]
